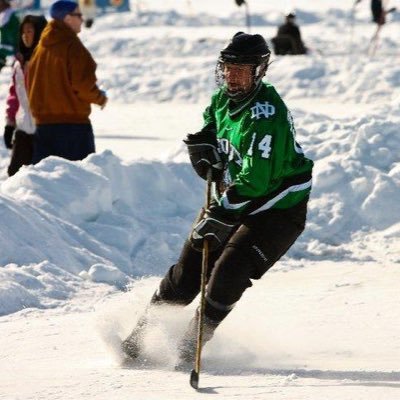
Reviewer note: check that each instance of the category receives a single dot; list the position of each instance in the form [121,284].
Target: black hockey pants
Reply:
[260,241]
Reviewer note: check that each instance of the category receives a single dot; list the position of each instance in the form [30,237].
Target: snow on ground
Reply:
[84,244]
[320,331]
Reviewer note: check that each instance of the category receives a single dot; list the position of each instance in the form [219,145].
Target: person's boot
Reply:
[188,345]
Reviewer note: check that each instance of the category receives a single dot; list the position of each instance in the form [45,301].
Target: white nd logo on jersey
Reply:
[262,110]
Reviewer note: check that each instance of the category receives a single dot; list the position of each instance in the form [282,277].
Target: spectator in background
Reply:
[19,130]
[89,10]
[288,39]
[377,10]
[62,87]
[9,28]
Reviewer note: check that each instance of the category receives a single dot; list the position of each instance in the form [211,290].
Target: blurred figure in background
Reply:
[377,10]
[9,31]
[379,13]
[19,130]
[62,86]
[288,39]
[88,8]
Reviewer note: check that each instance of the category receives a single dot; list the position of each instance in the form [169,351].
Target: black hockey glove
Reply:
[240,2]
[203,153]
[215,227]
[8,134]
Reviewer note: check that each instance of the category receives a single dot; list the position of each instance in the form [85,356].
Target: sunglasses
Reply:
[79,15]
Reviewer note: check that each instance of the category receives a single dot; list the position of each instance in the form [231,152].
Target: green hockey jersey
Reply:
[264,165]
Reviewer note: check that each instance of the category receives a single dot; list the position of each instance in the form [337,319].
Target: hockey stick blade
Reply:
[194,379]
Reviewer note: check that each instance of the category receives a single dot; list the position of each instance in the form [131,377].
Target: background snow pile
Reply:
[64,224]
[114,219]
[155,64]
[98,210]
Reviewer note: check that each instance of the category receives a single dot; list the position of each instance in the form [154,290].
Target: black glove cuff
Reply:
[202,137]
[215,226]
[218,212]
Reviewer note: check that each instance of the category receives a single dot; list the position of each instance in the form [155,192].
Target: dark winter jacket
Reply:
[378,14]
[292,31]
[61,78]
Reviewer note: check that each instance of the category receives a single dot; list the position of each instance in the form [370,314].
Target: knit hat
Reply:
[61,8]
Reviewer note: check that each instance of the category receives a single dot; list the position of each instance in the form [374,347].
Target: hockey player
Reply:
[264,179]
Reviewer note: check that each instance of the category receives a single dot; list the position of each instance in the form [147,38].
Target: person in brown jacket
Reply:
[62,87]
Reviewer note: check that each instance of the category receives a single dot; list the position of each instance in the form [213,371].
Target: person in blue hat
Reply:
[62,86]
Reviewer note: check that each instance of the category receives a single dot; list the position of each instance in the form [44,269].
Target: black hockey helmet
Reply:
[246,49]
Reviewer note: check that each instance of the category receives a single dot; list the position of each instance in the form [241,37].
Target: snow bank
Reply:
[97,211]
[168,53]
[42,285]
[153,60]
[99,216]
[113,220]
